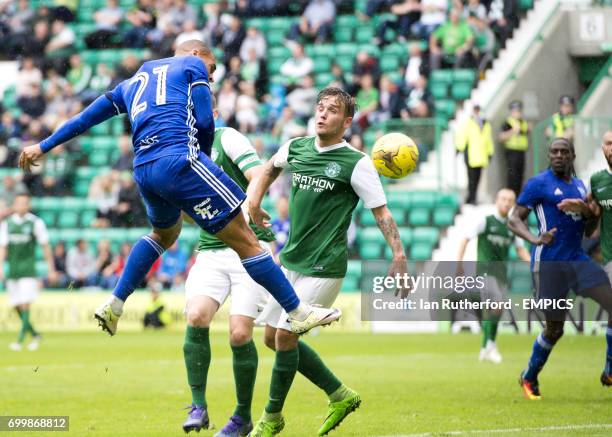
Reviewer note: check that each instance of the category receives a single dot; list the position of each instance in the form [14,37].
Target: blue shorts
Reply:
[555,279]
[202,190]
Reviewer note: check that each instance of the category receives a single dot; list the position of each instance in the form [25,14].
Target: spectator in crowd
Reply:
[57,172]
[60,45]
[142,19]
[366,100]
[484,44]
[562,122]
[388,95]
[474,9]
[232,38]
[65,9]
[36,42]
[503,18]
[514,135]
[407,14]
[11,188]
[59,262]
[32,103]
[251,68]
[79,74]
[316,22]
[254,40]
[80,265]
[246,108]
[115,269]
[338,79]
[27,76]
[104,259]
[126,69]
[226,101]
[364,64]
[190,31]
[374,7]
[288,126]
[451,42]
[417,66]
[156,315]
[100,82]
[104,192]
[234,72]
[433,15]
[107,26]
[129,211]
[280,226]
[302,99]
[297,66]
[418,102]
[474,139]
[173,267]
[356,141]
[125,160]
[18,24]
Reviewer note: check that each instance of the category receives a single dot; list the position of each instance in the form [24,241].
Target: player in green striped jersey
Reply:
[601,205]
[20,234]
[217,273]
[494,241]
[328,178]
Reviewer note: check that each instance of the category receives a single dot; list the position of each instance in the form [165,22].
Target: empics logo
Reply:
[203,210]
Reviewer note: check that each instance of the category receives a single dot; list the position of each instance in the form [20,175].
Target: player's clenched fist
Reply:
[259,215]
[29,156]
[547,237]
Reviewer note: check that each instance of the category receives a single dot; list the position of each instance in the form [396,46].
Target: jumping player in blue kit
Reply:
[558,262]
[168,102]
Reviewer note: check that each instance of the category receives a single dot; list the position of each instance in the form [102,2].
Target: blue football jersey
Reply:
[157,100]
[542,193]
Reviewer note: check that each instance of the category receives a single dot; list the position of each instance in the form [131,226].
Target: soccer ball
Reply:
[395,155]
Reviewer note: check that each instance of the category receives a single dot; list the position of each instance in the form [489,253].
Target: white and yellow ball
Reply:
[395,155]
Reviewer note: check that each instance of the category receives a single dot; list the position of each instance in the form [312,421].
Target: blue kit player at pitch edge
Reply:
[558,262]
[168,102]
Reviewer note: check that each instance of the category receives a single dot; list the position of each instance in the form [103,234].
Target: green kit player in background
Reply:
[217,274]
[20,234]
[329,177]
[493,246]
[601,205]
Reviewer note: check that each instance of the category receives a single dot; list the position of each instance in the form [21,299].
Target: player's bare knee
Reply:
[286,340]
[167,237]
[270,338]
[198,317]
[240,336]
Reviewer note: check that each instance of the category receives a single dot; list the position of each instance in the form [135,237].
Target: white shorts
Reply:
[311,290]
[22,291]
[219,273]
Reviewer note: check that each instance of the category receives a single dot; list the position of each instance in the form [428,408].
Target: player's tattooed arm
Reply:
[258,189]
[516,223]
[388,227]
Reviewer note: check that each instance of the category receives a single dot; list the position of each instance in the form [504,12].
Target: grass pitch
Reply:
[134,384]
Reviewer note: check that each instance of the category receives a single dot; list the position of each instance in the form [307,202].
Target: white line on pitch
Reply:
[506,430]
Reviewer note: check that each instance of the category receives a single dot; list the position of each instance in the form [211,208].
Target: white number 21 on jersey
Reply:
[143,80]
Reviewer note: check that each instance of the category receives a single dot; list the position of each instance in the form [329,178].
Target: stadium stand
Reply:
[74,67]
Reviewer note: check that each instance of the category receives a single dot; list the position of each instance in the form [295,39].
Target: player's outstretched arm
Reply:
[99,111]
[460,255]
[204,120]
[516,223]
[388,227]
[269,173]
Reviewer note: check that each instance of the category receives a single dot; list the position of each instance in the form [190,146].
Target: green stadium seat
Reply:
[98,158]
[438,90]
[343,34]
[321,50]
[441,76]
[101,129]
[425,235]
[399,216]
[399,51]
[322,64]
[398,199]
[279,52]
[444,216]
[323,79]
[369,137]
[370,235]
[371,49]
[388,64]
[70,236]
[418,217]
[447,199]
[370,250]
[274,64]
[354,268]
[258,23]
[423,199]
[347,49]
[364,34]
[464,75]
[275,36]
[68,219]
[281,23]
[366,218]
[525,5]
[345,62]
[421,252]
[48,217]
[347,21]
[445,108]
[87,217]
[532,219]
[41,269]
[461,90]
